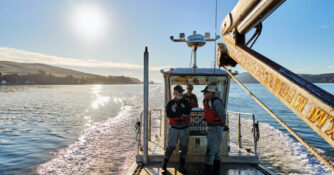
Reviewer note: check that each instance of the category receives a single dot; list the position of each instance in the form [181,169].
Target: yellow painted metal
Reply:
[239,12]
[300,139]
[307,105]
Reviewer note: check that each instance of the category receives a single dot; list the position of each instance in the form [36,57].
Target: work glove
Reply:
[226,128]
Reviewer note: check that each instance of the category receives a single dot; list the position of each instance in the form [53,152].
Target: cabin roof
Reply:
[197,71]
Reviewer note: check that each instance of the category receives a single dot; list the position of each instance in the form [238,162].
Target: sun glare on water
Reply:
[89,21]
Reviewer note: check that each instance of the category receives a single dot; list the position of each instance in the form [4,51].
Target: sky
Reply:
[108,37]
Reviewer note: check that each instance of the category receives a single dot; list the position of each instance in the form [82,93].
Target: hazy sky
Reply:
[299,35]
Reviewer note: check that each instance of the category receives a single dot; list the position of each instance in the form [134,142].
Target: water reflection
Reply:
[99,99]
[36,121]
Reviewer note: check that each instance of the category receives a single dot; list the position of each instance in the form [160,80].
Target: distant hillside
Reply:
[245,77]
[319,78]
[32,73]
[7,67]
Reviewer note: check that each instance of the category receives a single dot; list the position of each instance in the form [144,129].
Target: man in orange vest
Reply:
[178,111]
[215,117]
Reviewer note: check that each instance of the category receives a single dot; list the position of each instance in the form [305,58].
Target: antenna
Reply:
[214,60]
[194,41]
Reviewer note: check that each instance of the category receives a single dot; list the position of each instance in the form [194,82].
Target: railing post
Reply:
[160,121]
[167,98]
[239,132]
[149,128]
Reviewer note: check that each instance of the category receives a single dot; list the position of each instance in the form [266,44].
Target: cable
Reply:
[292,132]
[256,34]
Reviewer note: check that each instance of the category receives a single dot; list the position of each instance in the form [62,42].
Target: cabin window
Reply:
[199,83]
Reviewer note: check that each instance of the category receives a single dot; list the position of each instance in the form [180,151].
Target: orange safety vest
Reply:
[179,120]
[210,116]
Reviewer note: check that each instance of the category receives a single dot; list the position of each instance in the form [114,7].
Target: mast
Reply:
[145,106]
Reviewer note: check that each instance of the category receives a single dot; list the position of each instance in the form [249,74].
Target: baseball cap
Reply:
[178,88]
[209,88]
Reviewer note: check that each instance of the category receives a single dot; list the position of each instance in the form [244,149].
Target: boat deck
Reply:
[198,169]
[237,161]
[235,155]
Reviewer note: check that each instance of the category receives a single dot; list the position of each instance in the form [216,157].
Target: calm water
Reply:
[89,129]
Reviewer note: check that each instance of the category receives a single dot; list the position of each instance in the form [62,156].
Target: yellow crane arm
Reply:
[310,103]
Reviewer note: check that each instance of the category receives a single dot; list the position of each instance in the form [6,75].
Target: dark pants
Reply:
[174,135]
[214,140]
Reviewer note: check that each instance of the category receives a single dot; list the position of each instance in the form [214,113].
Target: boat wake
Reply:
[281,153]
[104,148]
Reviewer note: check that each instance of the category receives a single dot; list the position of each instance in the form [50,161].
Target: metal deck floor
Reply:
[198,169]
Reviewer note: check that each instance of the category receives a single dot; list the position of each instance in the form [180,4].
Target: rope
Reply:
[257,131]
[292,132]
[137,129]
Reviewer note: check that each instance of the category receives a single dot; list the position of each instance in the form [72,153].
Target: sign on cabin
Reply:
[197,124]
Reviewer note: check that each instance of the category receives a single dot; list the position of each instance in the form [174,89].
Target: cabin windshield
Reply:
[199,82]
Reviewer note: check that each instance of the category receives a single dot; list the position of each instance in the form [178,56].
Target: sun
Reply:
[89,21]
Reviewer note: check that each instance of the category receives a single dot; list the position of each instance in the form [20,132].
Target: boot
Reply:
[164,167]
[208,169]
[216,167]
[182,169]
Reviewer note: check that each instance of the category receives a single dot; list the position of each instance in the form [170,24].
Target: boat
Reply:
[238,151]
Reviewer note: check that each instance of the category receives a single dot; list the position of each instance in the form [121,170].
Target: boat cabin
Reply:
[199,78]
[238,150]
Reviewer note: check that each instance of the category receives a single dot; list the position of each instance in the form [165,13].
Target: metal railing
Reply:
[139,127]
[254,128]
[150,122]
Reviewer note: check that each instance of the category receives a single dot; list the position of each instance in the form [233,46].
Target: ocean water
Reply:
[89,129]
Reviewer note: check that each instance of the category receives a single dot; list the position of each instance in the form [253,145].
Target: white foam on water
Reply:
[283,154]
[104,148]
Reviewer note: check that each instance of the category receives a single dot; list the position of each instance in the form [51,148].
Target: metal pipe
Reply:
[239,132]
[195,58]
[241,113]
[160,121]
[239,12]
[149,128]
[167,98]
[145,105]
[258,14]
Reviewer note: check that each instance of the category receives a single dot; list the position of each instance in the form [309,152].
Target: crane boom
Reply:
[310,103]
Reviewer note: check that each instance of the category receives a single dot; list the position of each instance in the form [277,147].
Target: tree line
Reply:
[41,77]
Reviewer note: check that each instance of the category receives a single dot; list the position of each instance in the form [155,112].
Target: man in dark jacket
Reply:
[215,117]
[178,111]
